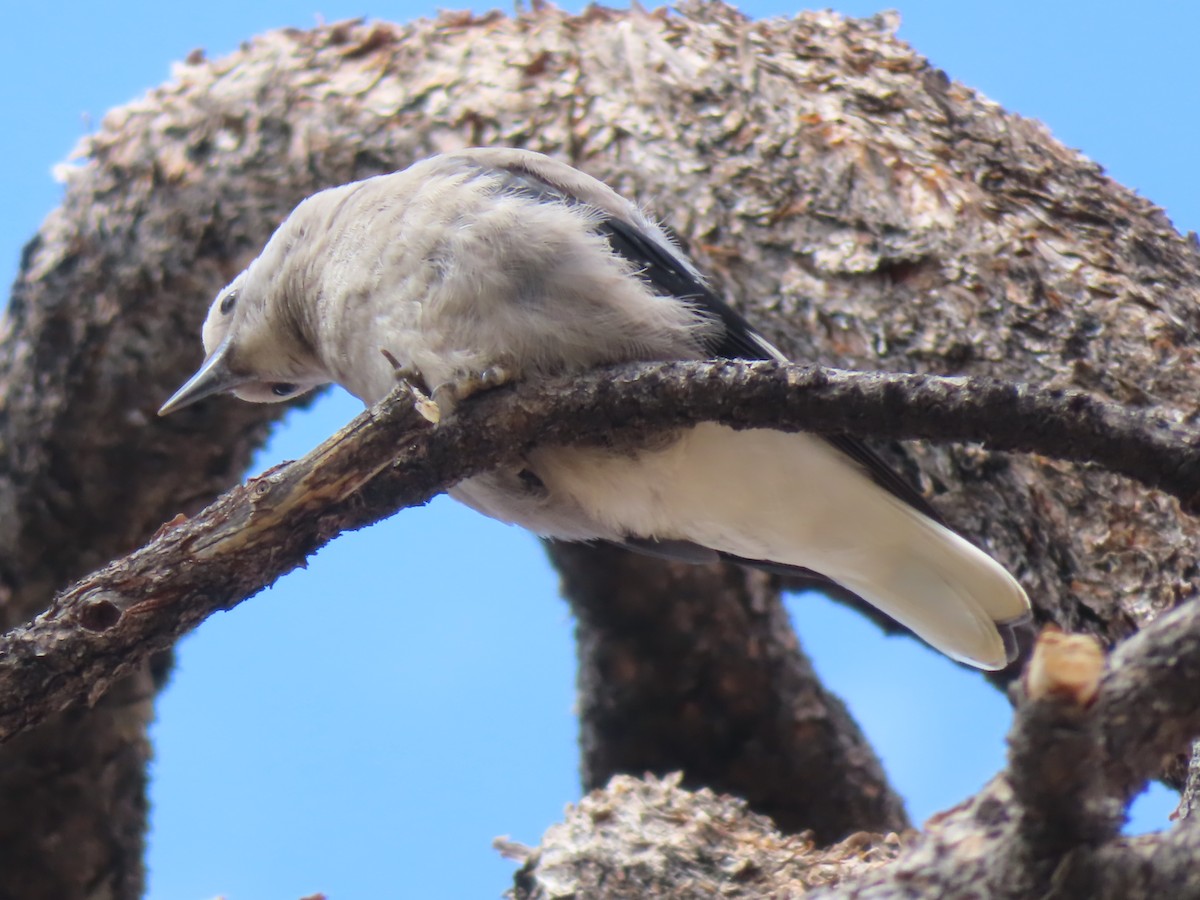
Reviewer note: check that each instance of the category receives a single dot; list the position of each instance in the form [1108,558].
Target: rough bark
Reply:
[1047,826]
[867,211]
[684,668]
[646,839]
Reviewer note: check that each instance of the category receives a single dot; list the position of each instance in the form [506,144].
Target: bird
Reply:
[488,265]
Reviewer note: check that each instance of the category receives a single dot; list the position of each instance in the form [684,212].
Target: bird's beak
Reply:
[214,377]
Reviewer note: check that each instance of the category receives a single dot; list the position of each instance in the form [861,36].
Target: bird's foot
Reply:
[409,373]
[449,394]
[411,376]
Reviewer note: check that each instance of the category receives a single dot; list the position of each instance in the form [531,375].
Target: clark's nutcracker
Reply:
[476,267]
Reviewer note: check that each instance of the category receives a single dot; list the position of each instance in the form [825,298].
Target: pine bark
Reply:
[861,207]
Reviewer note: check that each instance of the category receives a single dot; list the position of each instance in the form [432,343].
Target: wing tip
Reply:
[1018,636]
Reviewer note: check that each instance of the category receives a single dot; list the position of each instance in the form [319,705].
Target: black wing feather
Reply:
[669,277]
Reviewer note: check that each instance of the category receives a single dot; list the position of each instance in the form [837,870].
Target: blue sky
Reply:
[298,750]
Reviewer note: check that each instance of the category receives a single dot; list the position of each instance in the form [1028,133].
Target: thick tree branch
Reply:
[697,669]
[1054,765]
[1141,868]
[1079,754]
[390,458]
[1149,705]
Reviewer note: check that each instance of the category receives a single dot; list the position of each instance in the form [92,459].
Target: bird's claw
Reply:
[409,373]
[411,376]
[449,394]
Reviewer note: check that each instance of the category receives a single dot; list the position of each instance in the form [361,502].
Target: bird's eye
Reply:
[283,389]
[228,303]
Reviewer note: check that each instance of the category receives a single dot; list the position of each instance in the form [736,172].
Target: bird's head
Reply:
[258,342]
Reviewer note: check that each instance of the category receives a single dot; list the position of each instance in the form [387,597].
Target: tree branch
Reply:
[697,669]
[1078,756]
[1147,706]
[107,624]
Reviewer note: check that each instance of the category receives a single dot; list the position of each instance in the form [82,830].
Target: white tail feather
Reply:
[794,499]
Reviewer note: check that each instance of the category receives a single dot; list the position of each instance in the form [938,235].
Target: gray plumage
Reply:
[506,263]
